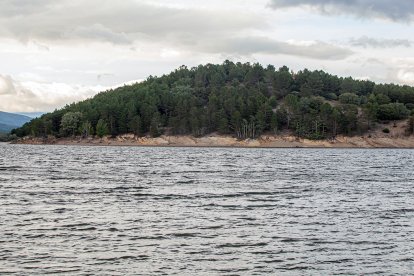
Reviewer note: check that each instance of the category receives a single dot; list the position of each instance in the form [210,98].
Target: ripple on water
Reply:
[200,211]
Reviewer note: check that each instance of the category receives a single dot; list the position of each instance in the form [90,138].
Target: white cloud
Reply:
[169,53]
[406,75]
[366,42]
[120,23]
[98,32]
[264,45]
[31,96]
[177,29]
[402,70]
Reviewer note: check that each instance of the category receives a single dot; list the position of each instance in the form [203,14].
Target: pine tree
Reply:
[101,128]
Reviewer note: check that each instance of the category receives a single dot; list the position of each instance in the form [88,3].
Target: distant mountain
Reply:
[9,121]
[31,114]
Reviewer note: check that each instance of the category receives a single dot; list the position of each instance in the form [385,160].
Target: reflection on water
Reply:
[199,211]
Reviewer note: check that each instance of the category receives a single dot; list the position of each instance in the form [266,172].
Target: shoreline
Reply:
[222,141]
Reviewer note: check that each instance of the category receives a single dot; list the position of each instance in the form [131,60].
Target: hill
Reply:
[32,114]
[242,100]
[9,121]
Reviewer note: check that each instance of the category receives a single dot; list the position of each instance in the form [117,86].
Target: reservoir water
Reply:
[205,211]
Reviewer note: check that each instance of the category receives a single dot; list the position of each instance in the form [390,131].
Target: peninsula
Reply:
[235,104]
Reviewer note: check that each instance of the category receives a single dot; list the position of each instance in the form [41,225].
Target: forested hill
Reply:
[244,100]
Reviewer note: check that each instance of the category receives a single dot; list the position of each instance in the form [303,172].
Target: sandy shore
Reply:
[264,141]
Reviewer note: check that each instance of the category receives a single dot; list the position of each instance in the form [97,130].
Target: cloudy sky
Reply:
[54,52]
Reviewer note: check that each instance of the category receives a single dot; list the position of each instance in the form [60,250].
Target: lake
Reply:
[205,211]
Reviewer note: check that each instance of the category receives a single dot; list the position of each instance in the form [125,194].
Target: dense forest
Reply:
[244,100]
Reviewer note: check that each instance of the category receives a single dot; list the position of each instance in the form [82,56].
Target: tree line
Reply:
[241,99]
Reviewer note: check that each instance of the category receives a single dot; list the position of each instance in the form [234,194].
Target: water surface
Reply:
[205,211]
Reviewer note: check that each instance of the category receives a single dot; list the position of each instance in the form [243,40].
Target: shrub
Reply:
[393,111]
[410,106]
[386,130]
[331,96]
[349,98]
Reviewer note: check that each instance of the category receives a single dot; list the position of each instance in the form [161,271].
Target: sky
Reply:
[55,52]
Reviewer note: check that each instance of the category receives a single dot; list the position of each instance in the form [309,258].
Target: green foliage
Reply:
[349,98]
[70,123]
[135,125]
[382,99]
[386,130]
[274,124]
[155,125]
[86,129]
[273,101]
[393,111]
[222,122]
[331,96]
[101,128]
[410,106]
[6,137]
[244,100]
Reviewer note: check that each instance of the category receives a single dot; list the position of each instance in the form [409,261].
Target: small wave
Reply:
[185,235]
[10,168]
[61,210]
[236,245]
[338,261]
[185,182]
[148,238]
[273,261]
[212,227]
[125,257]
[33,236]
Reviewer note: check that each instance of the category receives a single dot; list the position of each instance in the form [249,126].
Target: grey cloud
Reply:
[129,22]
[24,7]
[99,32]
[6,86]
[119,23]
[103,75]
[372,61]
[251,45]
[10,88]
[41,47]
[396,10]
[367,42]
